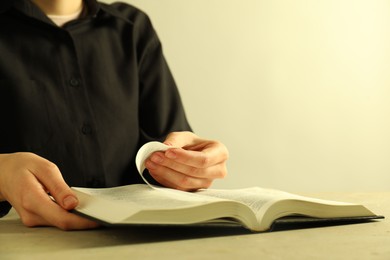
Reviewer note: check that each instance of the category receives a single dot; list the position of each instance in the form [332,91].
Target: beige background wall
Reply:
[299,90]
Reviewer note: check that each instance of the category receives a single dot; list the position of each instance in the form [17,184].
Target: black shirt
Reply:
[85,96]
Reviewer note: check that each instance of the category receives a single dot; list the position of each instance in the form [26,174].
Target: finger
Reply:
[30,219]
[159,162]
[180,139]
[172,179]
[51,178]
[209,156]
[41,210]
[211,152]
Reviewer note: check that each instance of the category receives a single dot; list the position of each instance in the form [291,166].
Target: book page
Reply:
[146,197]
[144,152]
[256,198]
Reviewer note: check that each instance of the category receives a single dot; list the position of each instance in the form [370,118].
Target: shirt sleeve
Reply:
[5,207]
[161,110]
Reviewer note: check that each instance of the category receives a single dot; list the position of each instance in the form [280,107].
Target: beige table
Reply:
[353,241]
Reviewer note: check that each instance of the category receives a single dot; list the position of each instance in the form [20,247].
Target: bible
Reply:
[255,208]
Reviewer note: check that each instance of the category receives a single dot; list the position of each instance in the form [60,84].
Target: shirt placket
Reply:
[82,114]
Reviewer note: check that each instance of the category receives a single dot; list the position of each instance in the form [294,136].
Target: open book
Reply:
[254,208]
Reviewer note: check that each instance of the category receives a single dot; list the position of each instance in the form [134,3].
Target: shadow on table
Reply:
[102,237]
[155,234]
[292,223]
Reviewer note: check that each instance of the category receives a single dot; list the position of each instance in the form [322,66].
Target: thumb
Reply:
[180,139]
[51,178]
[70,202]
[63,195]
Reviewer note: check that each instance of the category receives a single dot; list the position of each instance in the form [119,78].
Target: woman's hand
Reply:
[26,180]
[195,165]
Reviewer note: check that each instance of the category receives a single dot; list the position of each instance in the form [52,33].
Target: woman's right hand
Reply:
[27,180]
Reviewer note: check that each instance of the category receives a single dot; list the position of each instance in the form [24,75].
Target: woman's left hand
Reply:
[195,165]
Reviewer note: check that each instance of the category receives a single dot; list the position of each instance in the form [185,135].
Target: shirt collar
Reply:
[28,8]
[92,6]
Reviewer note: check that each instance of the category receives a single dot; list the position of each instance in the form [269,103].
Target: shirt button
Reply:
[86,129]
[74,82]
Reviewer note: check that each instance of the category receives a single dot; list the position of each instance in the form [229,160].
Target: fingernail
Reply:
[170,154]
[156,158]
[150,165]
[70,202]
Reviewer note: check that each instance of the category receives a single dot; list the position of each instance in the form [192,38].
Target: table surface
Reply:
[352,241]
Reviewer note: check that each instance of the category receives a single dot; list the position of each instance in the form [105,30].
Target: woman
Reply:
[82,86]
